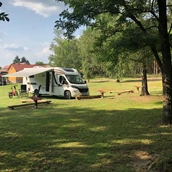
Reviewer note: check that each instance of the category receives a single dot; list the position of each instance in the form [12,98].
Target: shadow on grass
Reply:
[99,81]
[159,103]
[156,93]
[56,138]
[132,80]
[139,80]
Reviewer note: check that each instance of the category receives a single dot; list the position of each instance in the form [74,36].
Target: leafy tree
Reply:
[3,15]
[40,63]
[16,60]
[22,60]
[143,56]
[90,64]
[65,53]
[129,12]
[135,49]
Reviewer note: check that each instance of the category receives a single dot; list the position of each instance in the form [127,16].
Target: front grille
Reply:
[83,90]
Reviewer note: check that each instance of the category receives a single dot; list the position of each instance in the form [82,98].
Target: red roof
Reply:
[5,67]
[21,66]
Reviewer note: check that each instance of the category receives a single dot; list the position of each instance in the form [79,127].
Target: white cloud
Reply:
[6,57]
[9,51]
[3,33]
[44,52]
[26,48]
[44,8]
[44,49]
[14,47]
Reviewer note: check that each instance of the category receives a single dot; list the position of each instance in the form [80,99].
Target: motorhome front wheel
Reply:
[67,95]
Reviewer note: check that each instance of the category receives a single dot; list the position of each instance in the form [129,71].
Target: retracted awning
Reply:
[26,72]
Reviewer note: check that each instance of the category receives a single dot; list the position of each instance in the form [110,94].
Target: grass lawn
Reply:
[117,133]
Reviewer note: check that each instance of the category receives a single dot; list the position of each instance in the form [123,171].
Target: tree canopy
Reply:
[20,60]
[64,52]
[3,15]
[149,16]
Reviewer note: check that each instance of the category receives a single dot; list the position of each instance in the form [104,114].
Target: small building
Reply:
[4,70]
[18,67]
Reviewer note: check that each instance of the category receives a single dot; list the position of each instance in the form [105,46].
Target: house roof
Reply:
[5,67]
[21,66]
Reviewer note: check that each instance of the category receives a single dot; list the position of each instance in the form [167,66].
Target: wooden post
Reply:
[35,98]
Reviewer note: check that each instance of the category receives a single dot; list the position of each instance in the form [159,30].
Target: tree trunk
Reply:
[155,67]
[144,91]
[166,56]
[163,88]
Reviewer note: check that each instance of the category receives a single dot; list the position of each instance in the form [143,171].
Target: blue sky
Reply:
[30,30]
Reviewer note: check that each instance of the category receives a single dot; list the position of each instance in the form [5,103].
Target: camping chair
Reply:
[36,91]
[23,90]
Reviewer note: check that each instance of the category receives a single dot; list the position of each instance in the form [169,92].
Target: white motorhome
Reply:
[57,81]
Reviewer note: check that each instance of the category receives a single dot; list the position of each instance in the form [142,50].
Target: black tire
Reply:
[10,95]
[67,95]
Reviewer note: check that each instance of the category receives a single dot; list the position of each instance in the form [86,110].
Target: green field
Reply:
[117,133]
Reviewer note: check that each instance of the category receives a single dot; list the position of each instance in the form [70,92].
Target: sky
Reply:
[30,30]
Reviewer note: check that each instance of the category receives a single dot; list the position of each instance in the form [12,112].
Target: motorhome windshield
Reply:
[75,79]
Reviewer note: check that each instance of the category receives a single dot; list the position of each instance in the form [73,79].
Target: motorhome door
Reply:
[62,85]
[49,82]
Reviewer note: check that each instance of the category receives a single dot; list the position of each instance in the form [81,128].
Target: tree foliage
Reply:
[146,15]
[3,15]
[65,52]
[91,65]
[20,60]
[24,60]
[40,63]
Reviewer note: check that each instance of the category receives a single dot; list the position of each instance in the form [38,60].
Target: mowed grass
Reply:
[117,133]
